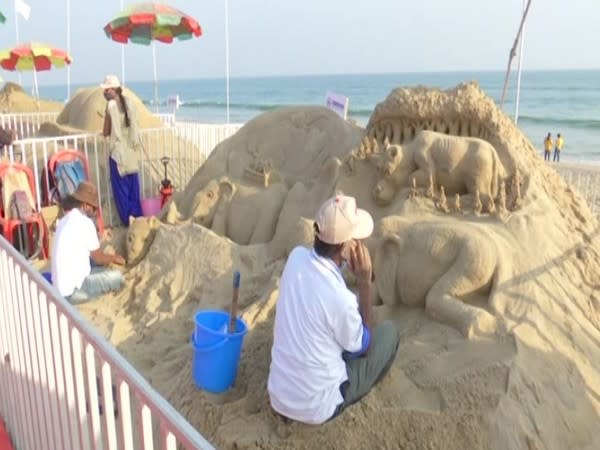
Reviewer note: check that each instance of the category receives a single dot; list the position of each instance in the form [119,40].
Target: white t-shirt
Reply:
[74,240]
[316,319]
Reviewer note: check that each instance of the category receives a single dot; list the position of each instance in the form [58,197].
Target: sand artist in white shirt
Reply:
[327,352]
[75,244]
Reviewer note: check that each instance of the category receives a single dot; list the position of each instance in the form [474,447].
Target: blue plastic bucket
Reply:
[216,352]
[47,276]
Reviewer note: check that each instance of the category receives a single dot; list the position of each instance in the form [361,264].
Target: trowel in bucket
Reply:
[234,302]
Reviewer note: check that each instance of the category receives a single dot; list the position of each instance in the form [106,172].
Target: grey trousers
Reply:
[100,281]
[366,371]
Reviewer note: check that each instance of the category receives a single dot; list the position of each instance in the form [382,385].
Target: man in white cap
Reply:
[75,243]
[327,353]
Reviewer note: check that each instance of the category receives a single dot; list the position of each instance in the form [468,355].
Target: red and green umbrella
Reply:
[143,23]
[33,56]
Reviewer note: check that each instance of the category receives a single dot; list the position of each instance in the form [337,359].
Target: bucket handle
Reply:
[210,348]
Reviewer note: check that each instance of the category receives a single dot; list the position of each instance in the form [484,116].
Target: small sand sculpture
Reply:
[430,193]
[477,205]
[456,206]
[517,201]
[491,206]
[414,193]
[442,203]
[501,200]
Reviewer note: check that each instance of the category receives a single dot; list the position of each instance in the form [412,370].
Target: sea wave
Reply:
[565,121]
[202,104]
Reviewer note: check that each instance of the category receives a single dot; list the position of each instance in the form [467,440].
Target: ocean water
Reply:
[566,102]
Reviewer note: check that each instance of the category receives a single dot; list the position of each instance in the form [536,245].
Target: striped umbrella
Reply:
[33,56]
[145,23]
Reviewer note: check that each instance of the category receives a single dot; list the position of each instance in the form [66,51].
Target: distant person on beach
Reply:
[548,147]
[558,147]
[327,352]
[121,127]
[75,243]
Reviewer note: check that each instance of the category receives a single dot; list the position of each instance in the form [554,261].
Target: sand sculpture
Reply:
[85,112]
[522,286]
[13,99]
[461,164]
[412,268]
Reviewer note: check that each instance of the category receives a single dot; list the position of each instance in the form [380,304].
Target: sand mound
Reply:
[13,99]
[493,285]
[85,112]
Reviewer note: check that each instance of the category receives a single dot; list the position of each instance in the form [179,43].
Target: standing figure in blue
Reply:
[121,129]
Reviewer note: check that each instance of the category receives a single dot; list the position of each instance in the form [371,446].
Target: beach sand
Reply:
[518,368]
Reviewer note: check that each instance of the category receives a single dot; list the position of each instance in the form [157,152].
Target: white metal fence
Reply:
[62,386]
[26,124]
[585,179]
[186,145]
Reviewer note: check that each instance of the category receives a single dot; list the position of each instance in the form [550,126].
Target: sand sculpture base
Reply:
[493,284]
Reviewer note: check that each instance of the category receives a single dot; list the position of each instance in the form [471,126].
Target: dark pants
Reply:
[556,156]
[126,191]
[547,155]
[366,371]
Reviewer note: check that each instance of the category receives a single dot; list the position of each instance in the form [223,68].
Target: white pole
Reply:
[122,57]
[68,48]
[227,56]
[36,91]
[519,70]
[155,75]
[17,39]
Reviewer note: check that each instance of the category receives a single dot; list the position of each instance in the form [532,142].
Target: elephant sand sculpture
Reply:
[244,214]
[437,264]
[463,165]
[140,235]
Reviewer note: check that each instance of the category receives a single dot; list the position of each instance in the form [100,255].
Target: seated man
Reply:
[326,352]
[75,243]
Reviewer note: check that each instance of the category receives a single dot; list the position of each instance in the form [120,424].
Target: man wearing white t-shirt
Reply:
[327,353]
[75,243]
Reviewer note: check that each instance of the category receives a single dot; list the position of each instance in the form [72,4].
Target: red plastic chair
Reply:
[67,155]
[9,225]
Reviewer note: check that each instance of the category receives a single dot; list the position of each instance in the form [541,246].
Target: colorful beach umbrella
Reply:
[146,23]
[142,23]
[33,56]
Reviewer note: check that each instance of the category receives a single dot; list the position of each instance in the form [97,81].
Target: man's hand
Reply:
[360,263]
[118,259]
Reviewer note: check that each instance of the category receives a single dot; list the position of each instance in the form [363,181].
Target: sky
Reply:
[278,37]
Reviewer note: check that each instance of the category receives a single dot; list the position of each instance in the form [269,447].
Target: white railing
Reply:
[187,146]
[585,179]
[62,386]
[26,124]
[167,119]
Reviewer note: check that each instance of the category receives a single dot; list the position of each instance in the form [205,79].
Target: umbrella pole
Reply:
[155,75]
[35,89]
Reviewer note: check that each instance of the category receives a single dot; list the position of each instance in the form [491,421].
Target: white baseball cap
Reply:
[339,221]
[110,81]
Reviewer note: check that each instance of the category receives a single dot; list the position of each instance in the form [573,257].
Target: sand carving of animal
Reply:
[140,236]
[461,164]
[245,214]
[437,264]
[303,201]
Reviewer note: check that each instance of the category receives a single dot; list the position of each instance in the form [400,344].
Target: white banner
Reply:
[337,103]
